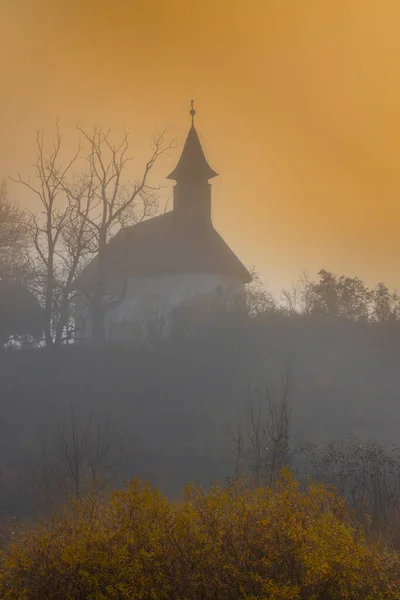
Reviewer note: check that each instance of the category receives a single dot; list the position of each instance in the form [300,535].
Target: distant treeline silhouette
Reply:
[328,295]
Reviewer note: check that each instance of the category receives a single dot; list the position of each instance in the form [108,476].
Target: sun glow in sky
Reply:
[298,107]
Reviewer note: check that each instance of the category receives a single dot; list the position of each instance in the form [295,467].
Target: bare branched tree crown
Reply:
[83,202]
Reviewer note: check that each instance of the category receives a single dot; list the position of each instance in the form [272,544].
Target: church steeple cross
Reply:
[192,111]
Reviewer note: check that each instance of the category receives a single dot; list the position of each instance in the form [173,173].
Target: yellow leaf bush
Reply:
[231,544]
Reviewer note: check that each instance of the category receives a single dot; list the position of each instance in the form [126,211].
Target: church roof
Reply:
[192,165]
[171,243]
[162,246]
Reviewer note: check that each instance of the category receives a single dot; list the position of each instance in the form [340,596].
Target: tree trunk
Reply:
[48,308]
[98,305]
[63,318]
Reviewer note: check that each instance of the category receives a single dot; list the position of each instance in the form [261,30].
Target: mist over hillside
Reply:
[169,406]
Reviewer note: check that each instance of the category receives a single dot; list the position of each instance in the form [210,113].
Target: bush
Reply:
[222,544]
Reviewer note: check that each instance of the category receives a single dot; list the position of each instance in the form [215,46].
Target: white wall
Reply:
[149,300]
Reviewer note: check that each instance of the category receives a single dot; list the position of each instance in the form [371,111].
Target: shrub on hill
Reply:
[223,543]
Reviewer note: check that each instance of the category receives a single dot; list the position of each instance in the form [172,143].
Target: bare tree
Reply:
[77,248]
[258,299]
[46,227]
[300,297]
[261,438]
[111,202]
[78,456]
[79,214]
[367,475]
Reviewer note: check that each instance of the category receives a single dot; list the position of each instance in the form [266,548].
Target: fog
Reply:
[296,110]
[169,406]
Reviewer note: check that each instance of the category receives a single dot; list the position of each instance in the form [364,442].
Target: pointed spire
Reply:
[192,165]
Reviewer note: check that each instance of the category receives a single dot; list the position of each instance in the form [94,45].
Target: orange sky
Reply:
[298,105]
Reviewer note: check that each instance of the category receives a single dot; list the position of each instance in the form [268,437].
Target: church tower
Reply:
[174,263]
[192,191]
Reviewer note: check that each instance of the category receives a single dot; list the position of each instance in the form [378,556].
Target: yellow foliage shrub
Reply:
[222,544]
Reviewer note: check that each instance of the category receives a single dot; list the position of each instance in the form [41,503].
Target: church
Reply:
[174,263]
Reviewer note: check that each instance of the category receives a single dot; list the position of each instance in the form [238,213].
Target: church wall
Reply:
[144,304]
[148,301]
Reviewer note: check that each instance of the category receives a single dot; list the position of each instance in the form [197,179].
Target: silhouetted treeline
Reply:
[328,295]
